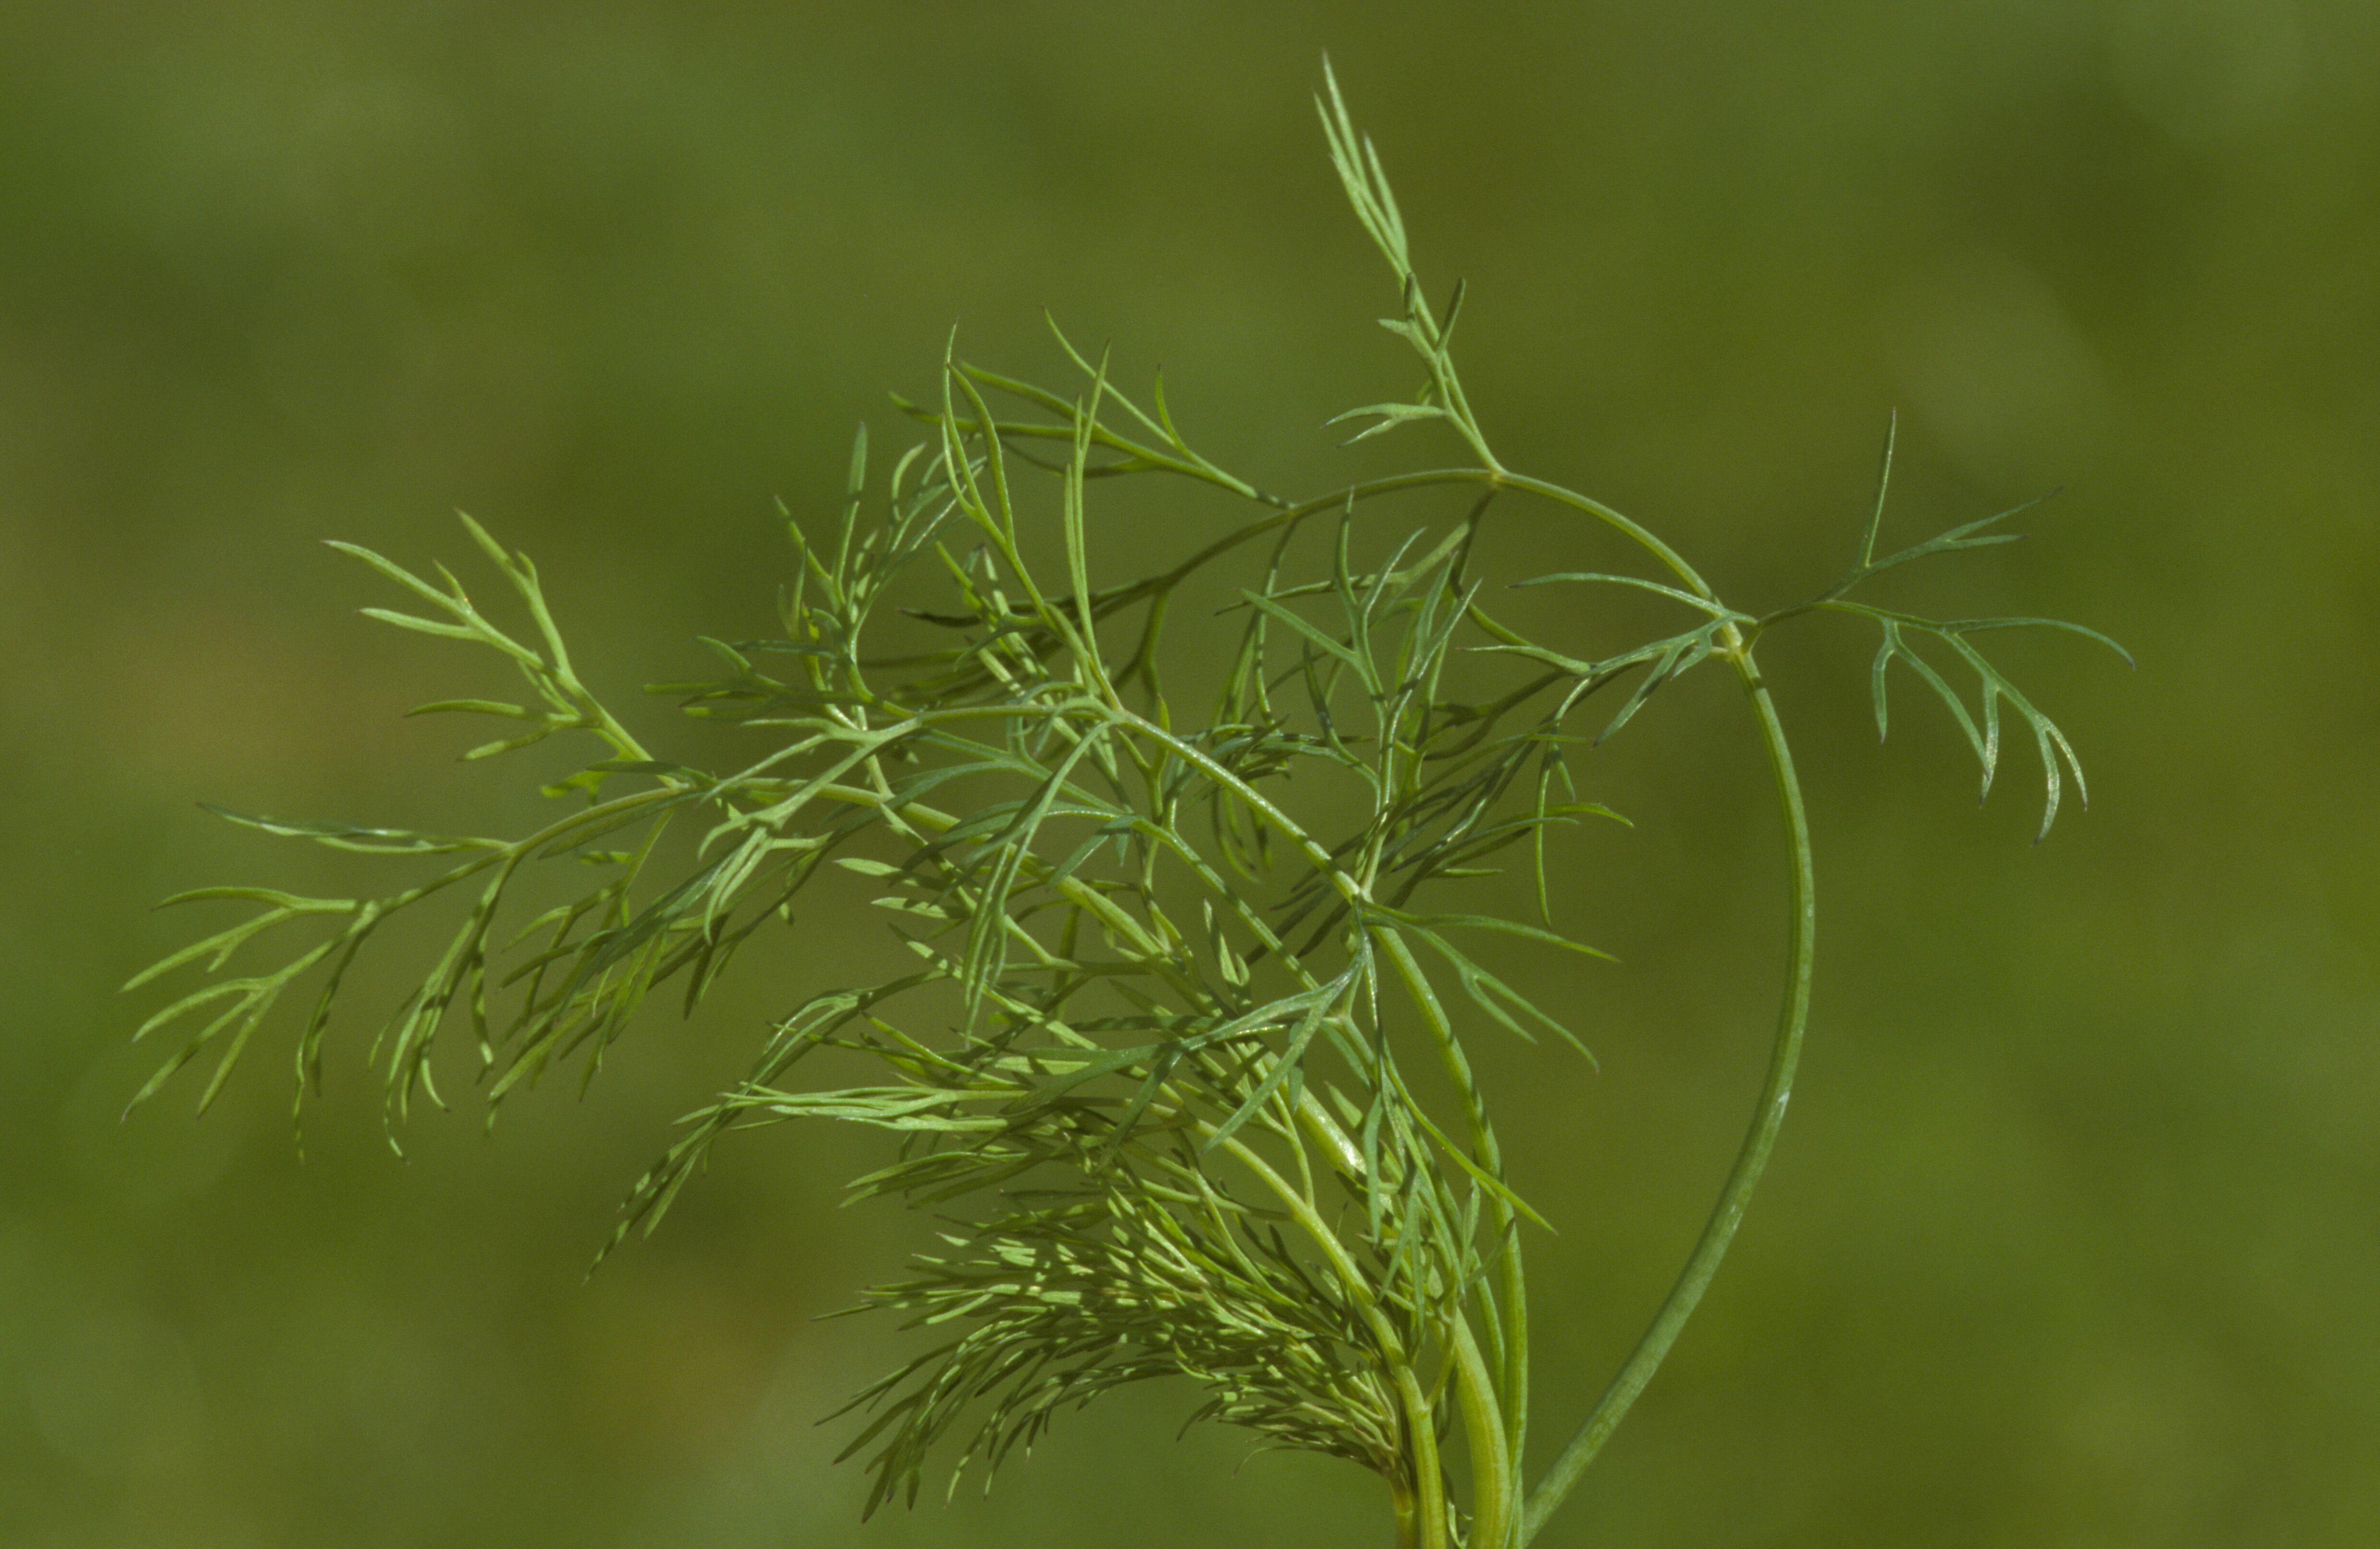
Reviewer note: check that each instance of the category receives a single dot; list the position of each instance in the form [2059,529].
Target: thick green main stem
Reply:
[1719,1230]
[1493,1405]
[1423,1520]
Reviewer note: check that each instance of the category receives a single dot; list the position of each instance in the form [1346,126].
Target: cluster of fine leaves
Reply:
[1147,1058]
[1169,1077]
[1165,1073]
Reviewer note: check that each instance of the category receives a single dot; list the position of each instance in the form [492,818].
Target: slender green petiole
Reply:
[1735,1195]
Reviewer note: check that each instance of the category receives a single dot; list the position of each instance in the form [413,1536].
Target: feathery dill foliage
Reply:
[1153,1039]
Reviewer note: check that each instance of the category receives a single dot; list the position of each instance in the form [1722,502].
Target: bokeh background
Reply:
[2074,1235]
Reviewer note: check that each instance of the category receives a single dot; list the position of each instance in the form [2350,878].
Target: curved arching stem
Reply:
[1287,514]
[1750,1161]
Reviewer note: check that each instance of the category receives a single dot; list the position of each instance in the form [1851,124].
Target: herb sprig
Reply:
[1150,1061]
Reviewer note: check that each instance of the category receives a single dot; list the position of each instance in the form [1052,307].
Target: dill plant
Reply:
[1154,1035]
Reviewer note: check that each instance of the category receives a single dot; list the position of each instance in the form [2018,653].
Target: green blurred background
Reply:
[2074,1235]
